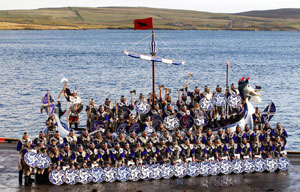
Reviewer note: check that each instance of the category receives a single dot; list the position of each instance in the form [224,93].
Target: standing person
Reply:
[27,169]
[91,111]
[51,127]
[74,108]
[21,143]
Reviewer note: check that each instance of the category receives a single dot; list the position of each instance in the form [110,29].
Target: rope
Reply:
[169,47]
[139,42]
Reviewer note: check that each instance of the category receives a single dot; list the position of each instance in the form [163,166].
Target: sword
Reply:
[190,75]
[66,82]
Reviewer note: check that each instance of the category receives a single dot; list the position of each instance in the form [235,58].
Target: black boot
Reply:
[37,179]
[27,182]
[20,177]
[30,180]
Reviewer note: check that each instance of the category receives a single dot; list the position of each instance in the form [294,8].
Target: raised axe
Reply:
[66,82]
[190,75]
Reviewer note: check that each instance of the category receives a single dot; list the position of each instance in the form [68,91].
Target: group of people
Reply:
[111,146]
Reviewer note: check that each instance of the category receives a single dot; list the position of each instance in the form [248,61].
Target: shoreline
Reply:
[22,26]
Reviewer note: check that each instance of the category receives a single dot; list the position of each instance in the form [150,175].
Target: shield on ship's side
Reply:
[57,177]
[31,159]
[283,163]
[85,176]
[167,171]
[43,161]
[186,121]
[72,176]
[98,175]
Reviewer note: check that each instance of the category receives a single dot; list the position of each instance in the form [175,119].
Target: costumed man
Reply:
[234,92]
[279,148]
[27,169]
[200,150]
[195,96]
[92,115]
[281,132]
[256,148]
[219,110]
[51,127]
[246,150]
[257,117]
[208,95]
[74,108]
[22,143]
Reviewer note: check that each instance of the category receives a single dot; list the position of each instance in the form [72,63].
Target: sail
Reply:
[153,58]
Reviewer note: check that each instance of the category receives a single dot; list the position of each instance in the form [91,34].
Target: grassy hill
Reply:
[122,18]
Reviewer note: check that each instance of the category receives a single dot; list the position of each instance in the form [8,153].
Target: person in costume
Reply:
[74,108]
[91,110]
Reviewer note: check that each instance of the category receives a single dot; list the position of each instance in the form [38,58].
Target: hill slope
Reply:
[276,13]
[122,18]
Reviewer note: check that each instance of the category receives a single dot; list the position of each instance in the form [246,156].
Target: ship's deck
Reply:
[278,181]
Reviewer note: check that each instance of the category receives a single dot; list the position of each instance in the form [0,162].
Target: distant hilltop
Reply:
[122,18]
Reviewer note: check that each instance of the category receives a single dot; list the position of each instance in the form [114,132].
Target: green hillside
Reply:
[122,18]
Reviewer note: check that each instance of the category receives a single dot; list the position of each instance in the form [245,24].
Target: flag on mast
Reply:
[143,24]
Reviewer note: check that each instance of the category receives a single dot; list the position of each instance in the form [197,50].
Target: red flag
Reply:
[143,24]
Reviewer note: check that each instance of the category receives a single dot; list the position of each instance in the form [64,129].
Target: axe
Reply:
[66,82]
[190,75]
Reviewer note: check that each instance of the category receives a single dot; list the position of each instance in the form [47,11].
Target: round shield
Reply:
[219,100]
[234,101]
[57,177]
[186,121]
[206,105]
[193,169]
[134,128]
[157,171]
[167,171]
[237,166]
[85,176]
[31,159]
[149,130]
[249,166]
[226,167]
[96,125]
[201,119]
[156,120]
[283,163]
[171,122]
[260,165]
[146,172]
[43,161]
[98,175]
[123,173]
[122,128]
[124,111]
[204,168]
[135,173]
[180,170]
[77,108]
[111,174]
[142,107]
[72,176]
[271,165]
[214,168]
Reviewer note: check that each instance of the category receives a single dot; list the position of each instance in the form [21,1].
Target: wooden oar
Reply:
[66,82]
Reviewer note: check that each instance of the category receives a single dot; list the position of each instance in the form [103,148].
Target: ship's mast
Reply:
[153,53]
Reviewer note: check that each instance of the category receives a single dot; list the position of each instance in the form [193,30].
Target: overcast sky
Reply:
[222,6]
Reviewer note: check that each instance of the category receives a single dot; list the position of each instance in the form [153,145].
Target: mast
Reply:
[227,87]
[153,53]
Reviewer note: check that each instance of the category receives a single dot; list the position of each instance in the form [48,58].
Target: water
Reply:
[33,61]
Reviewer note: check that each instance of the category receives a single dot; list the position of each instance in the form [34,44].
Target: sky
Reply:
[218,6]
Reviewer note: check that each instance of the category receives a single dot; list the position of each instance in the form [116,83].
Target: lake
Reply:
[33,61]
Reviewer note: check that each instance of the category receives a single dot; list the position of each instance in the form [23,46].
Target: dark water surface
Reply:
[33,61]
